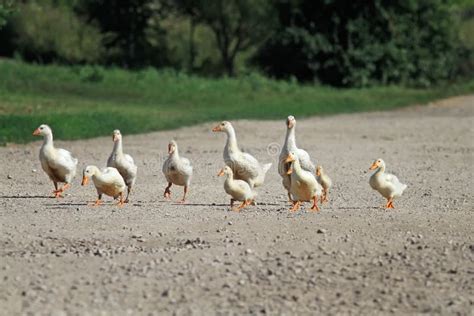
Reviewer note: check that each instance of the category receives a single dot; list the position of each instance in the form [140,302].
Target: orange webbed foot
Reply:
[389,204]
[57,193]
[296,206]
[96,203]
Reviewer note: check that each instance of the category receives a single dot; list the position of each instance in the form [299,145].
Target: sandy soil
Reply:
[156,257]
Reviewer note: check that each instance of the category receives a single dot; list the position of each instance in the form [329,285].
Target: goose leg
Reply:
[167,194]
[326,194]
[183,200]
[121,201]
[57,192]
[241,206]
[389,203]
[98,201]
[129,189]
[315,207]
[232,203]
[296,206]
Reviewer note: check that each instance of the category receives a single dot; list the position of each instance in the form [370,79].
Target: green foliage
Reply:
[124,24]
[45,32]
[361,43]
[337,42]
[85,101]
[6,8]
[236,24]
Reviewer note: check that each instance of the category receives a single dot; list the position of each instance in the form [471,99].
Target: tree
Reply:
[49,31]
[360,43]
[236,24]
[6,8]
[124,23]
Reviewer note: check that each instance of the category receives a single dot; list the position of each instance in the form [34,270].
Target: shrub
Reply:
[49,33]
[361,43]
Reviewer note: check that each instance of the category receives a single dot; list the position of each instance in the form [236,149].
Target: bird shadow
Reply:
[197,204]
[359,208]
[26,197]
[64,204]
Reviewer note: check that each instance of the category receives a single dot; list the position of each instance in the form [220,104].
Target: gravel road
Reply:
[64,257]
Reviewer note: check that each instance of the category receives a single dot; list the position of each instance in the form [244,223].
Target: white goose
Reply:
[108,182]
[123,163]
[59,164]
[244,166]
[290,146]
[177,170]
[386,184]
[239,190]
[304,186]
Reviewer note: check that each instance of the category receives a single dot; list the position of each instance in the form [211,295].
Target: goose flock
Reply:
[303,180]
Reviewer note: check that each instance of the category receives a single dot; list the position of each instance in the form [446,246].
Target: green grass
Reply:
[84,102]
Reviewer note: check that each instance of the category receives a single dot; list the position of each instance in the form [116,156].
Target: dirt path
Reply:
[64,257]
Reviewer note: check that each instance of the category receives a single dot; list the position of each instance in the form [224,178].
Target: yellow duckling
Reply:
[325,182]
[304,186]
[108,181]
[239,190]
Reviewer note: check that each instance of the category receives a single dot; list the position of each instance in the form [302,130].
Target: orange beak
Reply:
[289,159]
[85,180]
[290,171]
[221,173]
[170,149]
[318,172]
[218,128]
[36,132]
[114,138]
[290,124]
[375,165]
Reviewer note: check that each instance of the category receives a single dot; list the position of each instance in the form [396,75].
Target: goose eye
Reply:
[41,127]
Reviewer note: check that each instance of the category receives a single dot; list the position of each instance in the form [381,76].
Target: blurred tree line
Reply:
[336,42]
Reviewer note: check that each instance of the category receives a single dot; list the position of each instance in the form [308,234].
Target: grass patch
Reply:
[83,102]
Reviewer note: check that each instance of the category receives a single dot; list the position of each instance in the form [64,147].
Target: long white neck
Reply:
[290,140]
[175,154]
[231,144]
[48,140]
[118,147]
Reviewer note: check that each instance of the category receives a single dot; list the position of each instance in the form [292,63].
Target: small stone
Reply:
[229,223]
[9,177]
[249,251]
[321,231]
